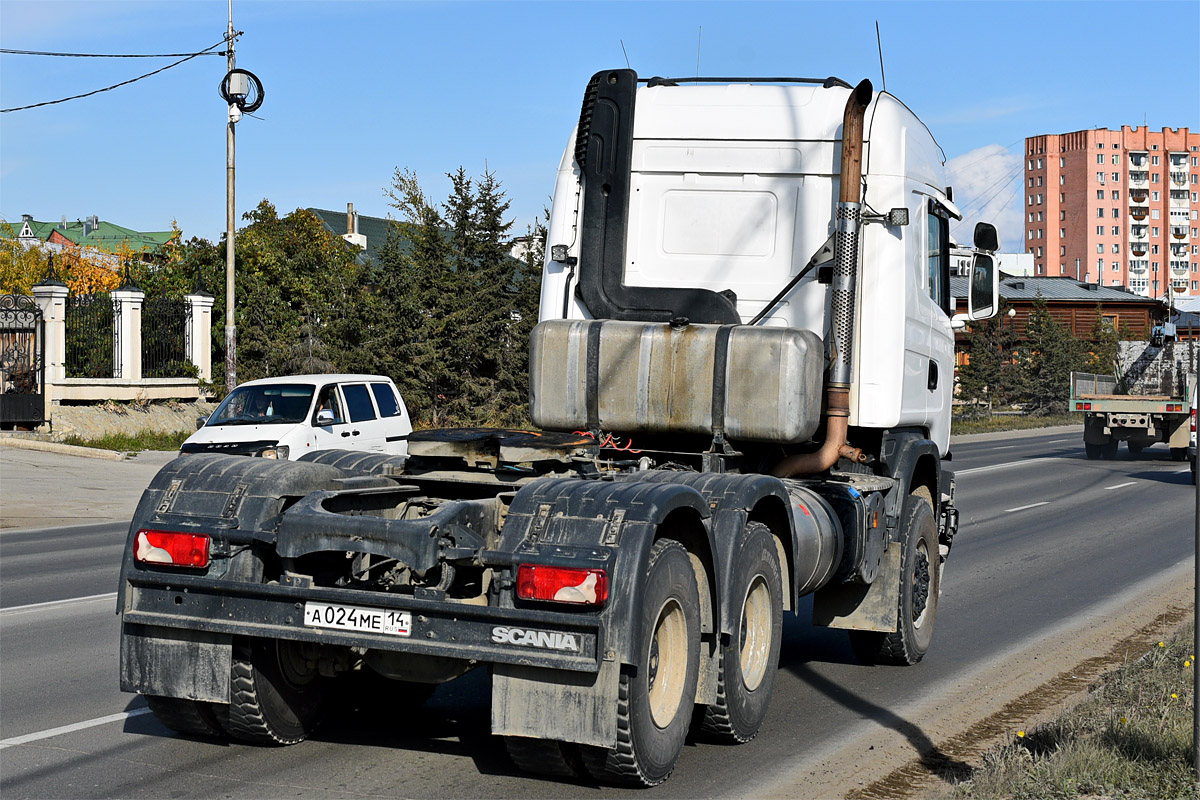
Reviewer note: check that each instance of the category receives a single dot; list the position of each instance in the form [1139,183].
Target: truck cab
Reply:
[732,190]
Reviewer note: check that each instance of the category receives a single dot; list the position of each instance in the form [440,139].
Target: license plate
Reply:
[357,618]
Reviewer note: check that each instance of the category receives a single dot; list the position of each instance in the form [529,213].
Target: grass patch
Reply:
[1131,737]
[126,443]
[1011,422]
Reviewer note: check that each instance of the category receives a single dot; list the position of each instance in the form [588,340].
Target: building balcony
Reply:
[1137,251]
[1139,212]
[1179,231]
[1138,177]
[1179,250]
[1139,195]
[1179,195]
[1179,178]
[1139,231]
[1139,159]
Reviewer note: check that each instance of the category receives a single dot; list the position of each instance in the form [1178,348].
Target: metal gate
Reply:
[22,366]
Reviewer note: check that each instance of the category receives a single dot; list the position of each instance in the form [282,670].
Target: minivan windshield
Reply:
[269,404]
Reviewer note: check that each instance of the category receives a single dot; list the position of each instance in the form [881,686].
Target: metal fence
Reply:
[166,324]
[92,322]
[22,367]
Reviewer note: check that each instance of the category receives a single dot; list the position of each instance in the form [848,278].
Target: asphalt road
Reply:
[1044,535]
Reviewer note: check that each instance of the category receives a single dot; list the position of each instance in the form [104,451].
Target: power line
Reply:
[205,51]
[107,55]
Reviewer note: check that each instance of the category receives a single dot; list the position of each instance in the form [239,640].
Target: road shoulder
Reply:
[906,749]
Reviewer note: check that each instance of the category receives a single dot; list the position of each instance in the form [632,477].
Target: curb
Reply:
[64,449]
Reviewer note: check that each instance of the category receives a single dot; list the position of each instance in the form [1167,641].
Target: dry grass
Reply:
[1010,422]
[1130,738]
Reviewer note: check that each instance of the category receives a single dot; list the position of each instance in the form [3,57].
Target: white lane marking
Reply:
[1024,462]
[1031,505]
[1004,447]
[87,527]
[1121,485]
[1056,441]
[78,726]
[51,603]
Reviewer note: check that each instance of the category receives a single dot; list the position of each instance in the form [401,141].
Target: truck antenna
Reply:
[622,41]
[699,30]
[879,42]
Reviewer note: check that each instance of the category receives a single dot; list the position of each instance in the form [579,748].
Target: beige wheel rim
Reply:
[755,647]
[667,663]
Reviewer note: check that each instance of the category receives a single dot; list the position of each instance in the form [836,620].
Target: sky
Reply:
[355,90]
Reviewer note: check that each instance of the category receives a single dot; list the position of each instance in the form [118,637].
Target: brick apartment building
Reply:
[1118,208]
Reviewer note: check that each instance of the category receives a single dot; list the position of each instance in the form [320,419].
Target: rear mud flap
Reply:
[556,704]
[171,662]
[863,608]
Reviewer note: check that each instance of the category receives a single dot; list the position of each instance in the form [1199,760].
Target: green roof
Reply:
[374,228]
[107,236]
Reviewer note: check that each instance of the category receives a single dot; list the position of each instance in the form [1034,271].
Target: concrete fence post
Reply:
[128,341]
[51,298]
[199,335]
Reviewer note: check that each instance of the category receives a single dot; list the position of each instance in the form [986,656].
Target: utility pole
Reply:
[230,222]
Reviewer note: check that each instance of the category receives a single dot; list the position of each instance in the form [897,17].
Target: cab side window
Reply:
[385,398]
[358,402]
[937,243]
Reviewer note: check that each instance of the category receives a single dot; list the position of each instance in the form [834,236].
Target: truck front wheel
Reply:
[747,664]
[919,589]
[276,697]
[655,700]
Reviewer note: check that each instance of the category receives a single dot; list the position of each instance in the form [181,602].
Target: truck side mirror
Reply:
[200,421]
[325,417]
[983,290]
[986,237]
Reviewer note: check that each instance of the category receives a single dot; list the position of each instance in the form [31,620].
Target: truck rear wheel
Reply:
[655,701]
[189,717]
[1092,450]
[1178,453]
[276,697]
[747,665]
[919,589]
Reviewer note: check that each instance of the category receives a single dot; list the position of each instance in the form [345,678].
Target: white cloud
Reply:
[988,184]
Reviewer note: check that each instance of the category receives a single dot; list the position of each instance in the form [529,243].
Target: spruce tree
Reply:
[1051,353]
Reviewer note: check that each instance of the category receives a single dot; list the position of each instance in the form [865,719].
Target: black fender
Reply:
[734,500]
[571,521]
[911,458]
[357,462]
[222,493]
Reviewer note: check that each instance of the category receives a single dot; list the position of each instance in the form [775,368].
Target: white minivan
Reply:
[289,416]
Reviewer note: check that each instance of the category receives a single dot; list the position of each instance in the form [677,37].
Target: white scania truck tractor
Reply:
[742,380]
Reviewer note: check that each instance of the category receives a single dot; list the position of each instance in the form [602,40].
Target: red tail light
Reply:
[577,585]
[1193,420]
[171,547]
